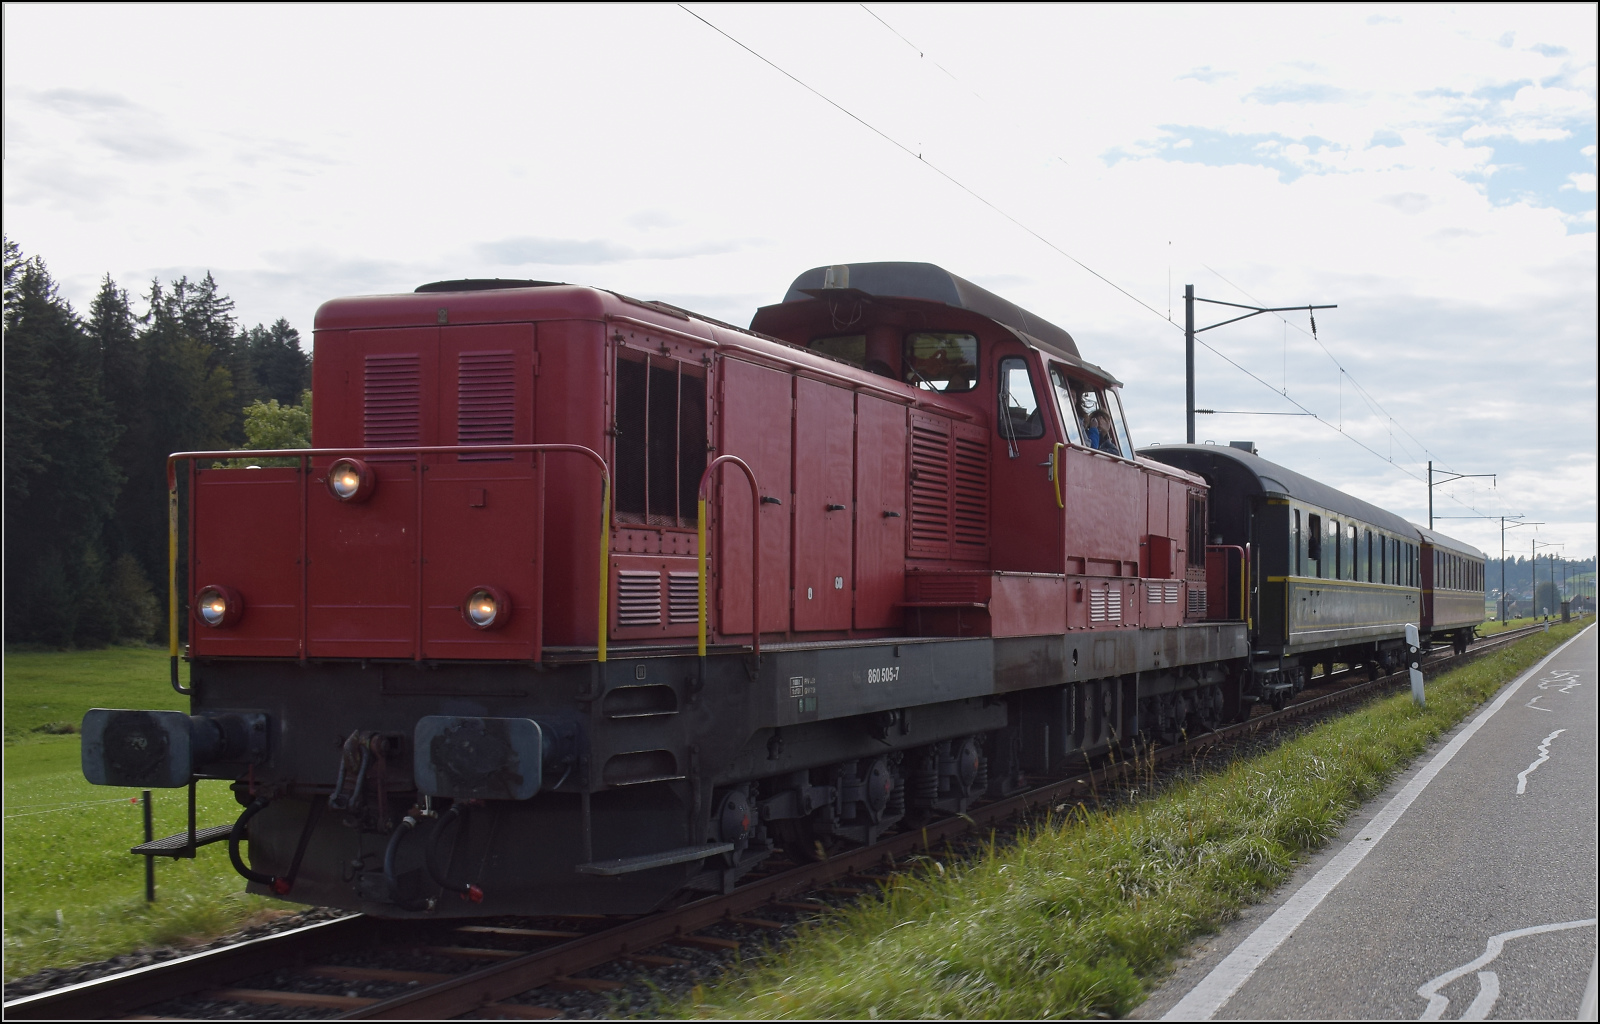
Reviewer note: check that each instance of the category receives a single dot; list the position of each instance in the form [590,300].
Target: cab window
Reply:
[1114,407]
[847,348]
[1019,406]
[1099,432]
[1066,403]
[941,361]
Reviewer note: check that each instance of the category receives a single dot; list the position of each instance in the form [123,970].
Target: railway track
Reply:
[428,970]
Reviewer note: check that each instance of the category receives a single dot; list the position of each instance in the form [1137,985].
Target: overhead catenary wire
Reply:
[922,159]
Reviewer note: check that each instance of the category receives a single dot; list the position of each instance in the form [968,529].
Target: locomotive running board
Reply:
[646,861]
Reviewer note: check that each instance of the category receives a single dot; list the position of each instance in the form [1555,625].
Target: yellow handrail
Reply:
[1055,472]
[755,553]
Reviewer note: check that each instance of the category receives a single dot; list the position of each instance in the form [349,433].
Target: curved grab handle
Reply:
[756,501]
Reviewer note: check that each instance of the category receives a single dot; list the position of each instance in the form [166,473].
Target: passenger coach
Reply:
[1331,578]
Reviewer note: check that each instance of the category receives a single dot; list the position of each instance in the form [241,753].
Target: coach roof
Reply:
[1236,468]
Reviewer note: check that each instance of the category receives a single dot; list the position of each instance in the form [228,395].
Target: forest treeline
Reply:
[94,402]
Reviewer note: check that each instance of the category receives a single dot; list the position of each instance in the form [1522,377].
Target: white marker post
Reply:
[1414,642]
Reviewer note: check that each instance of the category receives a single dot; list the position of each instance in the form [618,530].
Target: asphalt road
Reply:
[1467,891]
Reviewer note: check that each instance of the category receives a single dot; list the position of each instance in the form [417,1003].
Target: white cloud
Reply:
[1322,154]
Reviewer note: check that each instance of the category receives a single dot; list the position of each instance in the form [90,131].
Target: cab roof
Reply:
[926,282]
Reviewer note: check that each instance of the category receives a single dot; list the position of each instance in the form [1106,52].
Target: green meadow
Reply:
[73,894]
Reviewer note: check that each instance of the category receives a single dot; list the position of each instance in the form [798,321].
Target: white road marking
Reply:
[1564,680]
[1497,943]
[1544,755]
[1530,704]
[1483,1002]
[1587,1009]
[1214,990]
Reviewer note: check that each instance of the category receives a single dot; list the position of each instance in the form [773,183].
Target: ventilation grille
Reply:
[1105,605]
[929,532]
[971,497]
[683,597]
[1170,588]
[638,598]
[1197,602]
[949,490]
[392,402]
[486,406]
[955,589]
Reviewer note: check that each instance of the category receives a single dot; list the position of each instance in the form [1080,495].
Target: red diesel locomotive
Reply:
[506,630]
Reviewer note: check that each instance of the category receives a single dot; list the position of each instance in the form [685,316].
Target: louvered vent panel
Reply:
[1097,606]
[958,589]
[929,529]
[971,506]
[486,402]
[683,597]
[1171,588]
[392,401]
[1153,592]
[1197,602]
[638,598]
[1114,605]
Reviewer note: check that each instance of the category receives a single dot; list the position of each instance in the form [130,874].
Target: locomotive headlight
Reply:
[486,608]
[351,481]
[218,606]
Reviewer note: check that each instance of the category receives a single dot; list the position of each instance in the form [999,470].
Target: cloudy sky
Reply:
[1430,170]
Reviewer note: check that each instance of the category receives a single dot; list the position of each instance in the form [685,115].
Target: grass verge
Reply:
[1086,911]
[73,894]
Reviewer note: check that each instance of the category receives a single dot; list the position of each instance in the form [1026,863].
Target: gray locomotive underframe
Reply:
[661,739]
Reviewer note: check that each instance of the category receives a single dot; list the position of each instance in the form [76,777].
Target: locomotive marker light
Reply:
[218,607]
[486,608]
[351,481]
[1413,643]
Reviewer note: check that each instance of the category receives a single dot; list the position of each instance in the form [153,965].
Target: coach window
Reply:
[1294,544]
[1351,569]
[941,361]
[1365,544]
[1314,544]
[1019,406]
[1336,538]
[1066,402]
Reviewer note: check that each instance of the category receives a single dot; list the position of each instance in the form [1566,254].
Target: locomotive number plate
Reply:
[887,674]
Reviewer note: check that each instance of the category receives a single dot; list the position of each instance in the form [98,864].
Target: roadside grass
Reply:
[73,894]
[1084,914]
[1494,626]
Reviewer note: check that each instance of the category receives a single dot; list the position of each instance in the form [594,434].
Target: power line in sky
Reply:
[920,158]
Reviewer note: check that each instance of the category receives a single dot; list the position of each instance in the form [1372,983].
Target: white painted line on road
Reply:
[1483,1002]
[1588,1010]
[1544,755]
[1215,989]
[1438,1003]
[1535,707]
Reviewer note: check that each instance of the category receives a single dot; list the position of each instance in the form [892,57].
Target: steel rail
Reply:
[125,992]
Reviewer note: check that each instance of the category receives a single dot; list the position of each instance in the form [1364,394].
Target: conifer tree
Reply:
[61,482]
